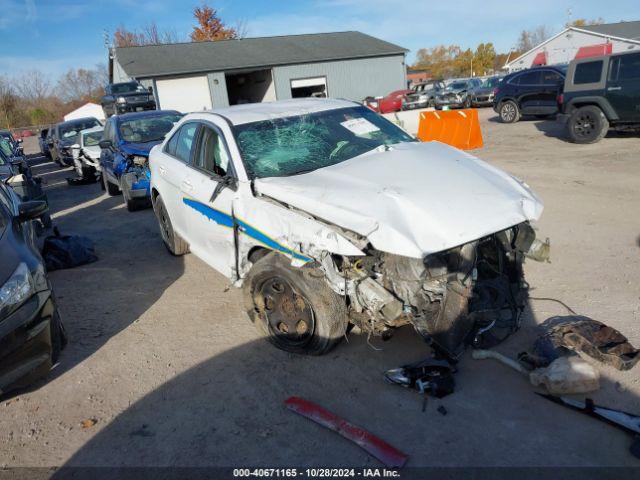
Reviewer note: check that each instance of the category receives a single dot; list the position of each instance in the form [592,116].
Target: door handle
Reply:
[614,88]
[162,170]
[186,185]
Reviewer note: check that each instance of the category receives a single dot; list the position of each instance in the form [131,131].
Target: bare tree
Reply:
[147,35]
[82,85]
[530,38]
[8,103]
[33,86]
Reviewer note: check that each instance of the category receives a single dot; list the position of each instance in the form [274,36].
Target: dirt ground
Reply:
[164,360]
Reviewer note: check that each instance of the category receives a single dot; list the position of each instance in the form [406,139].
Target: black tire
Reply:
[467,103]
[46,220]
[111,189]
[509,112]
[294,308]
[175,243]
[132,204]
[58,337]
[587,125]
[438,107]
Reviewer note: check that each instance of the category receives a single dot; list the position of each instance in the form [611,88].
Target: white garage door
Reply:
[187,94]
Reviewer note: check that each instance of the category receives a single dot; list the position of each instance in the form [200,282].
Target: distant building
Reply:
[203,75]
[578,42]
[415,76]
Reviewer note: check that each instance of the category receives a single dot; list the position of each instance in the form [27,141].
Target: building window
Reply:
[309,87]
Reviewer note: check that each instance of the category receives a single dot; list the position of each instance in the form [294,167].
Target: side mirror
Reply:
[106,144]
[31,210]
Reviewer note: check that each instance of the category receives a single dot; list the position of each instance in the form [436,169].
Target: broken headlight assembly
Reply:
[16,290]
[121,100]
[138,160]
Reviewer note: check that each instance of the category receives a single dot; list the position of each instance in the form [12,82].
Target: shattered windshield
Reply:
[300,144]
[147,129]
[92,139]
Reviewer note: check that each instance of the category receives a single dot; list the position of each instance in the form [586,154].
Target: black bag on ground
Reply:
[67,251]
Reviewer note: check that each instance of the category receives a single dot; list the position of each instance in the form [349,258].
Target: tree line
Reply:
[33,99]
[446,61]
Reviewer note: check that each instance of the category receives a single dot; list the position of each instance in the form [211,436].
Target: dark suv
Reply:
[529,92]
[601,92]
[127,97]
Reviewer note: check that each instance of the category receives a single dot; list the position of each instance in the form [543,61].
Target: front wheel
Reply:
[509,112]
[587,125]
[111,189]
[467,103]
[294,308]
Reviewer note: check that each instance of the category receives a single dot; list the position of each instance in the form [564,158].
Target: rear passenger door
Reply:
[171,170]
[528,91]
[208,201]
[552,83]
[623,86]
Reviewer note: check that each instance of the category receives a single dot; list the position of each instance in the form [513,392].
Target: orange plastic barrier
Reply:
[458,128]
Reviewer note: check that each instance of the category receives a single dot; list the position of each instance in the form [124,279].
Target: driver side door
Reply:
[208,192]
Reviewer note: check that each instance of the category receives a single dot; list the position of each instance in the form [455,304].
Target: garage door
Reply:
[187,94]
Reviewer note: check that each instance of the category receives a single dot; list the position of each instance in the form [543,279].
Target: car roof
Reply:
[146,113]
[77,120]
[257,112]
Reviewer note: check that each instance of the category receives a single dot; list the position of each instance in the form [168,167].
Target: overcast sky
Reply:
[54,35]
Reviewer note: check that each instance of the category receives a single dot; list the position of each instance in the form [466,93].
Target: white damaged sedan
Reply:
[327,214]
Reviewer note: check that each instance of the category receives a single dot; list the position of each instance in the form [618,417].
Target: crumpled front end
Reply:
[473,294]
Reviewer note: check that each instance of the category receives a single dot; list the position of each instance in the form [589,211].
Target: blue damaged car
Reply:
[125,146]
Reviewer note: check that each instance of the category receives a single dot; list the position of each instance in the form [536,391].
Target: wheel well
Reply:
[154,194]
[577,105]
[256,253]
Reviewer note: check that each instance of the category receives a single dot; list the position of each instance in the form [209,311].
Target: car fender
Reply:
[262,222]
[599,101]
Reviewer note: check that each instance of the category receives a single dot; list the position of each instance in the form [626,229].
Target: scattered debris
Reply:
[88,423]
[143,431]
[430,377]
[67,251]
[387,454]
[563,376]
[442,410]
[588,336]
[622,420]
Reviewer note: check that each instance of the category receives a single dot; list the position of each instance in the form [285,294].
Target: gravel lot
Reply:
[164,360]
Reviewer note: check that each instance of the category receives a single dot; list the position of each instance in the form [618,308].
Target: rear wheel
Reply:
[294,308]
[587,125]
[174,242]
[509,112]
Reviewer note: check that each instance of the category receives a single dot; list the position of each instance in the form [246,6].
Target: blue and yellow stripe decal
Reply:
[225,220]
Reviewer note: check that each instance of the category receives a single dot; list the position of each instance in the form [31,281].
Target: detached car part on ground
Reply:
[124,153]
[601,93]
[31,333]
[328,214]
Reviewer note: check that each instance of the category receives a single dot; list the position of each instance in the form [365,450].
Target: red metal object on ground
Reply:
[387,454]
[595,50]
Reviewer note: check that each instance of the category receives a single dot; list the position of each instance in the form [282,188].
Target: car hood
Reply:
[139,148]
[413,200]
[451,92]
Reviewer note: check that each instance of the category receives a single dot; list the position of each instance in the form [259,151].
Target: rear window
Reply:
[588,72]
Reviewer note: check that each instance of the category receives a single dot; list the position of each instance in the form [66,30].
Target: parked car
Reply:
[529,92]
[31,332]
[423,95]
[86,153]
[601,93]
[354,221]
[127,97]
[15,144]
[65,135]
[42,141]
[390,103]
[457,94]
[127,140]
[482,95]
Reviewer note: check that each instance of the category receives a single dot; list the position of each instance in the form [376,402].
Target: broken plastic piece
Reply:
[387,454]
[429,377]
[593,338]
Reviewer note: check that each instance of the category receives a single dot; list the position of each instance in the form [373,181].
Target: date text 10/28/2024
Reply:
[316,472]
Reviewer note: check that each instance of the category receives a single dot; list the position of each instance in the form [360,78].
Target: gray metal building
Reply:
[204,75]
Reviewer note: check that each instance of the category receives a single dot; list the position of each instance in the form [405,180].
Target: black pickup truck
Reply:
[127,97]
[601,93]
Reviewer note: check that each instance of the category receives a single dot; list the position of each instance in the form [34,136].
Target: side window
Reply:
[588,72]
[629,67]
[614,64]
[185,141]
[172,143]
[530,78]
[107,131]
[212,154]
[549,77]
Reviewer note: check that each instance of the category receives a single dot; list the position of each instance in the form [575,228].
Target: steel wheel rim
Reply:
[584,125]
[289,316]
[508,112]
[165,227]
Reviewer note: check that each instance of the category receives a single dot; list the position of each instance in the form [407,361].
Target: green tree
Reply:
[483,59]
